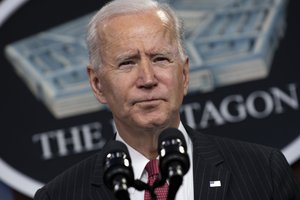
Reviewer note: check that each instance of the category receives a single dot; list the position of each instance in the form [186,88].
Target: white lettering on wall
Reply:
[292,100]
[236,108]
[63,142]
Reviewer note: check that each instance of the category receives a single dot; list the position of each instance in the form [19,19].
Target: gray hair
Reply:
[117,7]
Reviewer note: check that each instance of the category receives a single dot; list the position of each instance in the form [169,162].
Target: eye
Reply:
[126,64]
[157,59]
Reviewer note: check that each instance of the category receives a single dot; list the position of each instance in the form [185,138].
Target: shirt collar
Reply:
[137,158]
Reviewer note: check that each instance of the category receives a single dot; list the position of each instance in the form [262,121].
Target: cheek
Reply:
[117,88]
[174,83]
[178,86]
[178,79]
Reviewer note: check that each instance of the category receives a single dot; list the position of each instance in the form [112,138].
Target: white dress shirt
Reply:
[185,192]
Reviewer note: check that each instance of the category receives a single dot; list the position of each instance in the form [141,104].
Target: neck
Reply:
[142,139]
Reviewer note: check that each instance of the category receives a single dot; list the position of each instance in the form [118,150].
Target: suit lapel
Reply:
[211,176]
[97,177]
[99,189]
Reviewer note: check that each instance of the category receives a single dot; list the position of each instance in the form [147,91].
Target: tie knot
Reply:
[152,168]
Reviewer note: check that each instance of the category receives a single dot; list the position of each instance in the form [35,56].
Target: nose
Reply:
[147,76]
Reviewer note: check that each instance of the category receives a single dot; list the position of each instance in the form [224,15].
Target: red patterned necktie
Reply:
[153,171]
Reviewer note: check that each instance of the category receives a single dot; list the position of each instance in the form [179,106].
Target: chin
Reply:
[157,123]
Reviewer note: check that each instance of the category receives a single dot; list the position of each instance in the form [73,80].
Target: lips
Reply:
[147,100]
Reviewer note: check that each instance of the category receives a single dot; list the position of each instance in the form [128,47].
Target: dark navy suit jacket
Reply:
[246,172]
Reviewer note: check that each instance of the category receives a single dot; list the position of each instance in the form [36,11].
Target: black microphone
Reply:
[174,162]
[118,173]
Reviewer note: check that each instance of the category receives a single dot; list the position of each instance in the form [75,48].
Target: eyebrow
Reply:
[133,54]
[165,53]
[161,51]
[127,55]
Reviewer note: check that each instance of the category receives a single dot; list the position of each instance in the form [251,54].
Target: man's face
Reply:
[143,78]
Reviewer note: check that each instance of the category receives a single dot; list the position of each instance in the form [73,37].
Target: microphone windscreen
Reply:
[171,133]
[117,170]
[115,146]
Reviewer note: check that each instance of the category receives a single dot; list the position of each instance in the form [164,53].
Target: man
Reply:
[138,67]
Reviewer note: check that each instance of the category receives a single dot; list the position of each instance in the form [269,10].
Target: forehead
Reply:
[155,15]
[123,27]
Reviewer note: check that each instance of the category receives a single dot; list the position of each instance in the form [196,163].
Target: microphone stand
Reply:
[175,181]
[140,186]
[120,188]
[173,187]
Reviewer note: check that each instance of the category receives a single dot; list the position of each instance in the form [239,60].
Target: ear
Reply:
[186,75]
[96,84]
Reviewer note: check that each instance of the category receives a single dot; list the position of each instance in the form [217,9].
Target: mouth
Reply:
[151,101]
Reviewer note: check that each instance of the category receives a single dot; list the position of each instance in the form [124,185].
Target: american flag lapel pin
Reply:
[215,183]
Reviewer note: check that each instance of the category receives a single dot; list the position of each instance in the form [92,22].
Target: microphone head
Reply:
[115,146]
[117,164]
[172,150]
[171,133]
